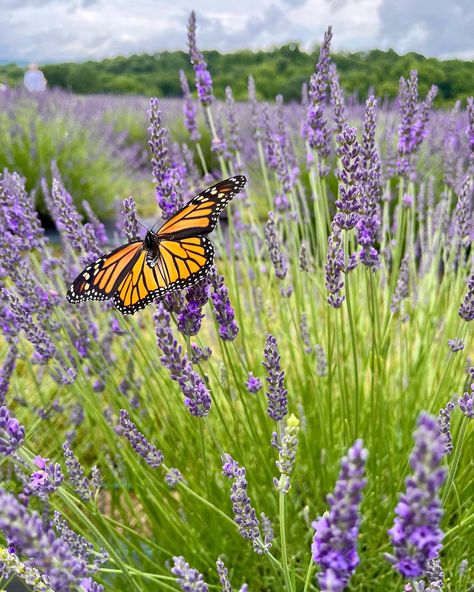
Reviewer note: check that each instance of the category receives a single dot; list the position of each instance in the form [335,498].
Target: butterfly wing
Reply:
[200,215]
[100,279]
[181,263]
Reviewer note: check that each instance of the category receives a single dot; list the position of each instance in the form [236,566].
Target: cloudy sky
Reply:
[59,30]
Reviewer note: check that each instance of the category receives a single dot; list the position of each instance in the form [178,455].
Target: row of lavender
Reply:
[392,266]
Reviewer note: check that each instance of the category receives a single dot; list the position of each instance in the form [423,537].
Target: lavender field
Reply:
[301,419]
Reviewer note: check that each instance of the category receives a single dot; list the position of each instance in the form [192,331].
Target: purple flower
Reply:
[244,514]
[337,99]
[235,142]
[129,219]
[456,344]
[401,288]
[267,531]
[466,308]
[173,477]
[169,192]
[334,545]
[190,317]
[199,354]
[44,347]
[253,383]
[304,260]
[287,454]
[416,534]
[189,109]
[223,310]
[321,361]
[444,422]
[196,395]
[334,267]
[223,574]
[68,222]
[12,434]
[189,579]
[150,454]
[47,478]
[470,131]
[95,225]
[6,372]
[255,110]
[77,478]
[277,394]
[414,120]
[273,243]
[371,189]
[316,129]
[349,201]
[466,403]
[203,77]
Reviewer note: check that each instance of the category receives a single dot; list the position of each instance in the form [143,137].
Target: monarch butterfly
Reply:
[175,257]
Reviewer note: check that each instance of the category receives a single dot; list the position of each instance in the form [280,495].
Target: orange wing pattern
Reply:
[200,215]
[181,264]
[101,279]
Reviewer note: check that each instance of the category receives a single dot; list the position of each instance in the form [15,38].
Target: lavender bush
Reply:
[192,446]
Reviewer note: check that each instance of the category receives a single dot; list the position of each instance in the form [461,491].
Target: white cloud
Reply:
[58,30]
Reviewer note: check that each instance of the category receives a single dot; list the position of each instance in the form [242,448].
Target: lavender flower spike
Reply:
[196,395]
[466,403]
[129,219]
[276,392]
[416,534]
[244,514]
[334,268]
[150,454]
[287,454]
[466,309]
[203,77]
[334,545]
[12,434]
[316,129]
[276,256]
[223,311]
[223,574]
[78,479]
[189,579]
[349,201]
[189,109]
[190,317]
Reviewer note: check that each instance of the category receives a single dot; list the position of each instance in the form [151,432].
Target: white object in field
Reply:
[34,79]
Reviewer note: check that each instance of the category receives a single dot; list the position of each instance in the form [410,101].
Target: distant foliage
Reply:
[278,71]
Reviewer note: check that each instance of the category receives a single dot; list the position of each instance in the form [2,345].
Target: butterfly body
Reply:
[175,257]
[152,246]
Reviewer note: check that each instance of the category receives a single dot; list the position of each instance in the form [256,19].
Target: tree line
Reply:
[279,70]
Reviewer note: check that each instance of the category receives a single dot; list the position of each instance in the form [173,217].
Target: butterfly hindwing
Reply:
[100,279]
[181,264]
[201,214]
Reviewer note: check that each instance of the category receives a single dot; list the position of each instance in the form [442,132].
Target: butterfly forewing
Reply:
[100,279]
[201,214]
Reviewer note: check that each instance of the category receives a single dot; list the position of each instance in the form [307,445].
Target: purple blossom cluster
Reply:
[416,534]
[12,433]
[189,109]
[150,454]
[169,192]
[223,310]
[277,395]
[316,129]
[203,77]
[349,201]
[277,257]
[245,515]
[196,395]
[334,545]
[190,316]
